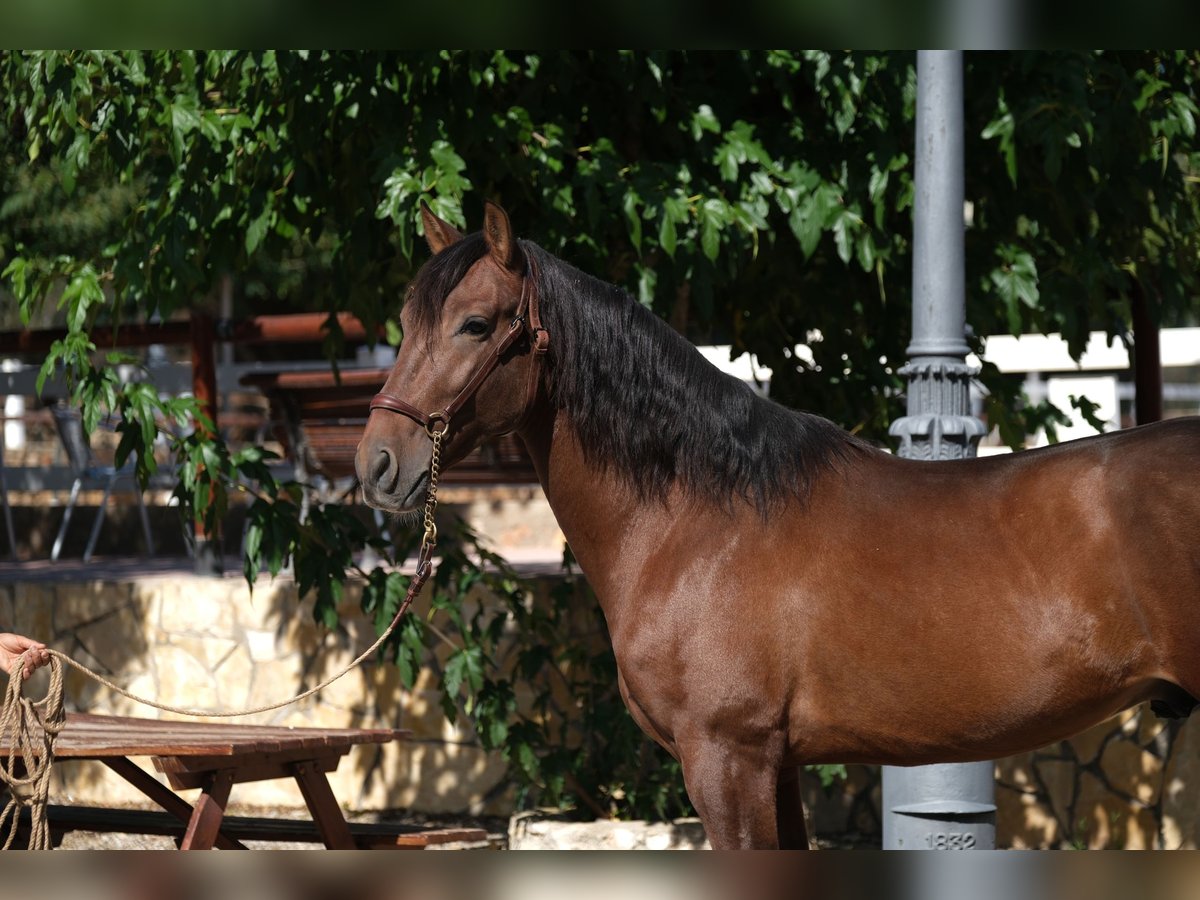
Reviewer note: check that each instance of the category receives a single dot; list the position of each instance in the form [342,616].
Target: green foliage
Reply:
[762,199]
[756,198]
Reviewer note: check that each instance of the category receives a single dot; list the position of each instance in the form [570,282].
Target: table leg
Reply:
[205,825]
[324,807]
[163,796]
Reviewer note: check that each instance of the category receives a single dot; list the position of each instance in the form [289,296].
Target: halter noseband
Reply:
[526,320]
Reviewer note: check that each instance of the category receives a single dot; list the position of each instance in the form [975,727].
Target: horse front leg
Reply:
[789,811]
[734,789]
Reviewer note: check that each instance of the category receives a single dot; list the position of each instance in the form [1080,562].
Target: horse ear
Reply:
[501,241]
[439,233]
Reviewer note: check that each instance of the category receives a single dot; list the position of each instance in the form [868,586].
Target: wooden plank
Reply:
[326,812]
[419,840]
[183,773]
[96,721]
[88,736]
[205,825]
[194,730]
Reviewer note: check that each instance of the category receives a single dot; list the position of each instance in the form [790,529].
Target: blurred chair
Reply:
[88,471]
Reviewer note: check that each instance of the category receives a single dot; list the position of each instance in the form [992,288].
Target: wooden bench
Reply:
[213,758]
[320,421]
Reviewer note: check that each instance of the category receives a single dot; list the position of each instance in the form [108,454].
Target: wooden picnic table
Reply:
[213,758]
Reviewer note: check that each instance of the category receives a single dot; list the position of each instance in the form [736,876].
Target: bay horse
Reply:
[778,592]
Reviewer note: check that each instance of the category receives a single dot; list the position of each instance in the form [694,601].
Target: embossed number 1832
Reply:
[950,841]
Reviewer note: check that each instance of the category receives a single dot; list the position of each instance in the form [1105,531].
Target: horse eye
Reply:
[474,327]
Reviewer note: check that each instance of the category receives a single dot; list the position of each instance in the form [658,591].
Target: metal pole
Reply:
[944,806]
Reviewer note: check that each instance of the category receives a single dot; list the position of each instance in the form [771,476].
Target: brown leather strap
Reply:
[395,404]
[539,335]
[540,340]
[528,319]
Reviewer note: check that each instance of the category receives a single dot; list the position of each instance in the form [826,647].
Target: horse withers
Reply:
[779,592]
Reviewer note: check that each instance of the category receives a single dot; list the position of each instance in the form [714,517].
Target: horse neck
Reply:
[603,518]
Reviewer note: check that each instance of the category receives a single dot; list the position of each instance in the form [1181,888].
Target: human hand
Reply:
[11,648]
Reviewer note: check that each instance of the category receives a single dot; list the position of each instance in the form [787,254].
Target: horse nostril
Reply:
[384,470]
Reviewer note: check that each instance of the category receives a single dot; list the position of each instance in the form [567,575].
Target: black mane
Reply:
[644,402]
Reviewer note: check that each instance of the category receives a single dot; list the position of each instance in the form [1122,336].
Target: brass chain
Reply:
[429,540]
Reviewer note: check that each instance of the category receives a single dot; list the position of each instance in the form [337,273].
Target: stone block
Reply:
[210,652]
[1133,771]
[1181,813]
[77,604]
[448,778]
[1105,821]
[1059,779]
[537,831]
[234,672]
[1087,744]
[353,692]
[274,680]
[1150,726]
[196,605]
[184,680]
[1016,771]
[1022,822]
[261,644]
[33,607]
[111,703]
[116,642]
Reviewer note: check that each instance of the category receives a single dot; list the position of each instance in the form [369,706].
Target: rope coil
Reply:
[30,736]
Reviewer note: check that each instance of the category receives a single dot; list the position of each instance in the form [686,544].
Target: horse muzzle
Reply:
[388,481]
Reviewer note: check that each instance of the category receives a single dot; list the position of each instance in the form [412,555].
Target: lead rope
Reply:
[30,734]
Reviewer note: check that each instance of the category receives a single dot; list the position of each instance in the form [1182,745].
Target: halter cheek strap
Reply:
[526,321]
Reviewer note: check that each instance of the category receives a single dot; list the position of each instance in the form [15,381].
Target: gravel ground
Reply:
[497,829]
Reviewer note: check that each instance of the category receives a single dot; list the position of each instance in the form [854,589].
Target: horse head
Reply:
[468,368]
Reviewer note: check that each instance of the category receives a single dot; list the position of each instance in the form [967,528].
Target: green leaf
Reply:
[666,233]
[842,238]
[630,204]
[1016,282]
[446,159]
[185,117]
[655,70]
[704,120]
[809,219]
[257,229]
[865,251]
[647,282]
[464,666]
[713,216]
[1003,126]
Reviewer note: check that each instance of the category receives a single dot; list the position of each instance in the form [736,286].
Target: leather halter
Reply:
[526,321]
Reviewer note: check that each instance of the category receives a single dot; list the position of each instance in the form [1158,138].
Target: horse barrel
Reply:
[940,808]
